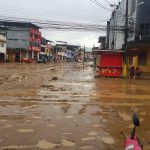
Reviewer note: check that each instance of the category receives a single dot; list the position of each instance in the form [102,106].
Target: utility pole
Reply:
[84,56]
[126,38]
[126,28]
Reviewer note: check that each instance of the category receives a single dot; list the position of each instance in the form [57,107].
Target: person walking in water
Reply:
[132,74]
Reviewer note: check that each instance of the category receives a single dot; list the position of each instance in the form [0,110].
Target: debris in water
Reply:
[69,117]
[68,143]
[54,78]
[92,133]
[51,125]
[46,145]
[108,140]
[25,130]
[87,147]
[14,147]
[124,116]
[88,139]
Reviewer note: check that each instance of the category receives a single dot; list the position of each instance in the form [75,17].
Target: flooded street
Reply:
[63,107]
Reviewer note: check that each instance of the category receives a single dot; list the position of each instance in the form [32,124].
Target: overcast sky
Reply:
[79,11]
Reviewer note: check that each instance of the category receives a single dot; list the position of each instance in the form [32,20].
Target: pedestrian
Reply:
[132,74]
[138,72]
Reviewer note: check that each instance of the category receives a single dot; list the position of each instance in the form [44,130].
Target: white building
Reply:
[116,25]
[2,47]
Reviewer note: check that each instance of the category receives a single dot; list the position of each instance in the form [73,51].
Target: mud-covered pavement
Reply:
[63,107]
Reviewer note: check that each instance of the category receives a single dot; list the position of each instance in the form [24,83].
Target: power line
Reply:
[100,5]
[107,2]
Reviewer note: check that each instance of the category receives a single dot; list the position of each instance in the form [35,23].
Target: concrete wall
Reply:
[18,38]
[2,43]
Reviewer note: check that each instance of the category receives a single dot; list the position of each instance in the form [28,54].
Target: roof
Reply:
[97,51]
[18,24]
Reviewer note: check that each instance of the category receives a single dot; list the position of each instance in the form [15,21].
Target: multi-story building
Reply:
[46,50]
[23,40]
[138,45]
[115,34]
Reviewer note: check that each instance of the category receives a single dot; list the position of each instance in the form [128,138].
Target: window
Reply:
[144,29]
[142,58]
[2,44]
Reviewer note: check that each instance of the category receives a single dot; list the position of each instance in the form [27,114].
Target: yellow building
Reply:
[140,56]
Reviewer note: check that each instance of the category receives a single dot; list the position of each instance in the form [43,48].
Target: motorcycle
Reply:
[133,142]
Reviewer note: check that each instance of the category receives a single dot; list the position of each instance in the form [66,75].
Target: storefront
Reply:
[109,63]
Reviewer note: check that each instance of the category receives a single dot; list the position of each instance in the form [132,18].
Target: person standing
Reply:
[132,74]
[138,72]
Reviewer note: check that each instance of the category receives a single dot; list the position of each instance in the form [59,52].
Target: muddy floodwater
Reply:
[63,107]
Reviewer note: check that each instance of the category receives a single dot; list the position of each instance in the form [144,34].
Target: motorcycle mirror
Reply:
[136,121]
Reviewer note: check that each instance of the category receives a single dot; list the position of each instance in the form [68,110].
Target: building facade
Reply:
[23,40]
[138,38]
[2,47]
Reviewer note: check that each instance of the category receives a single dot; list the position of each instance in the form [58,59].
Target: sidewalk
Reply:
[145,76]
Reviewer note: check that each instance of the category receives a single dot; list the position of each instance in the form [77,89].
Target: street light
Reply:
[139,4]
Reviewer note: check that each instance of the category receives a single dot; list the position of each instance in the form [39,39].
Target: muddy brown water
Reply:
[63,107]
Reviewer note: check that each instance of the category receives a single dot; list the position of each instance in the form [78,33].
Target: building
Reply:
[102,41]
[115,34]
[46,52]
[138,38]
[66,52]
[2,47]
[139,47]
[23,40]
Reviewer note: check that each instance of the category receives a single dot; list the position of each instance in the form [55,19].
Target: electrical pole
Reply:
[126,30]
[126,39]
[84,56]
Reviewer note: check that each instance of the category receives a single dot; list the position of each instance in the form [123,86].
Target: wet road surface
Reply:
[63,107]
